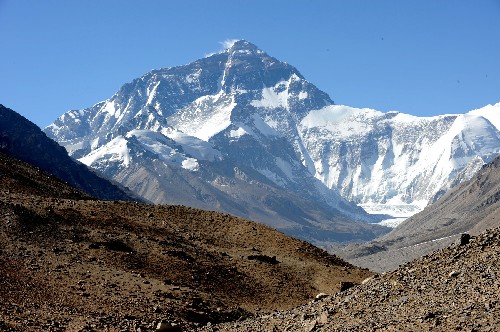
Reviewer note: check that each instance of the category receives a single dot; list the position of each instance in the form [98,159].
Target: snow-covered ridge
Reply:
[385,161]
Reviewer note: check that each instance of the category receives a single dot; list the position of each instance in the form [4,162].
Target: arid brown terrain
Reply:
[454,289]
[72,263]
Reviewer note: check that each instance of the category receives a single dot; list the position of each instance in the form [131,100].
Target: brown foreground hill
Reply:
[71,263]
[454,289]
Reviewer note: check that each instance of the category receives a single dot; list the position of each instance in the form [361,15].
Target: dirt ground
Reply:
[71,263]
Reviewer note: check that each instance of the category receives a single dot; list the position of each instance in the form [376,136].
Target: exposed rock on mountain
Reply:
[23,140]
[71,263]
[470,207]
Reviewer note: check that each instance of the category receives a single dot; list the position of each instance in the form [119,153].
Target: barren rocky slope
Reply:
[471,207]
[22,139]
[71,263]
[454,289]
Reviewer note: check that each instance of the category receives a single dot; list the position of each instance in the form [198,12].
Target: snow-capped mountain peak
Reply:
[226,126]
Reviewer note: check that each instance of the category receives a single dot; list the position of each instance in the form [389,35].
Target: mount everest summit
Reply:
[243,133]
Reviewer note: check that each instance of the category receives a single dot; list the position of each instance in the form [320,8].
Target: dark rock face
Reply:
[23,140]
[345,285]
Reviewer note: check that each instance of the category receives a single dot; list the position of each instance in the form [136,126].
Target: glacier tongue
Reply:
[241,132]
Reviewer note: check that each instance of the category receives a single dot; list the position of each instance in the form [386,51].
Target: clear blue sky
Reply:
[419,57]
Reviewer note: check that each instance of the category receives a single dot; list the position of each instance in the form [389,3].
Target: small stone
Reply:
[453,273]
[464,239]
[367,280]
[345,285]
[168,327]
[311,326]
[323,318]
[430,315]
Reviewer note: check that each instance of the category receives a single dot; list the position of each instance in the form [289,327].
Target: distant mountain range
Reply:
[23,140]
[241,132]
[470,207]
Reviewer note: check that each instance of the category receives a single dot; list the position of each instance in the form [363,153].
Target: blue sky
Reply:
[419,57]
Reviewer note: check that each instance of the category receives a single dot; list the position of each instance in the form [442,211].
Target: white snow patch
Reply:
[110,108]
[392,223]
[154,142]
[152,93]
[55,128]
[95,143]
[193,146]
[158,143]
[271,122]
[396,210]
[206,116]
[489,112]
[115,150]
[194,77]
[303,95]
[237,133]
[71,148]
[263,126]
[271,98]
[341,120]
[190,164]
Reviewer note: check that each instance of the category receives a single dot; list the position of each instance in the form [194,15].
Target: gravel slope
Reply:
[454,289]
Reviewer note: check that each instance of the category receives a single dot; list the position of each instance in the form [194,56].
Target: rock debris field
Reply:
[454,289]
